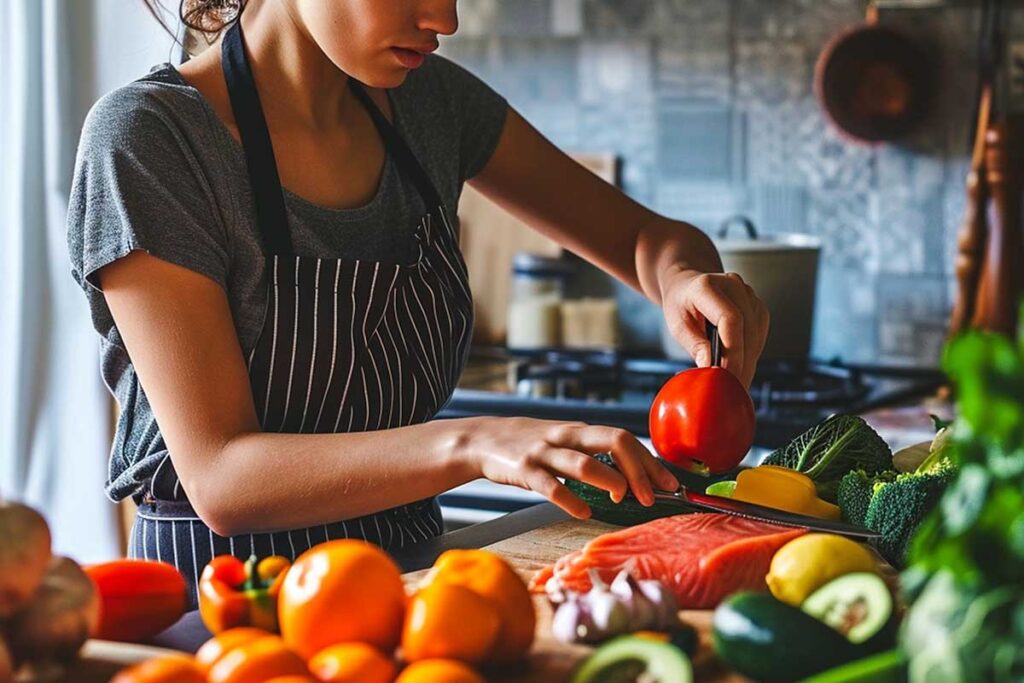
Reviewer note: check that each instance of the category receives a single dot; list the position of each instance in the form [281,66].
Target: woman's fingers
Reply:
[711,301]
[659,474]
[626,451]
[545,484]
[588,469]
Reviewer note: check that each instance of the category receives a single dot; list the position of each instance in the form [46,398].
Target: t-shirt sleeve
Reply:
[477,110]
[138,185]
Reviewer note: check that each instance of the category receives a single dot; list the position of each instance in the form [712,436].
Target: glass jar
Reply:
[535,297]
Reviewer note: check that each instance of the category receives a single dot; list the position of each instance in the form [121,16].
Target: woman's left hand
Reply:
[689,298]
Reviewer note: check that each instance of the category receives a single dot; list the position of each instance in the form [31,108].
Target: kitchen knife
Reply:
[692,501]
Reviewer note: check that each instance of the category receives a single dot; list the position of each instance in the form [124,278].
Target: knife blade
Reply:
[694,501]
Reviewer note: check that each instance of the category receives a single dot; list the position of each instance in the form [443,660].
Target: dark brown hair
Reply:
[208,17]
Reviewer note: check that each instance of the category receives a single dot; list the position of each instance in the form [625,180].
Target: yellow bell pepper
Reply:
[783,489]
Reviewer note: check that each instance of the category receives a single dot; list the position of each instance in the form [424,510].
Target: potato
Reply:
[24,555]
[61,615]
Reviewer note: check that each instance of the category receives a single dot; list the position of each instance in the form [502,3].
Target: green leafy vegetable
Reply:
[826,452]
[966,621]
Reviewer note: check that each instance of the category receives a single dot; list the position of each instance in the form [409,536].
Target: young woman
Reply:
[267,240]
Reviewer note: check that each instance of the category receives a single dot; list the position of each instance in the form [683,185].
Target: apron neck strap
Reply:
[264,181]
[261,165]
[395,144]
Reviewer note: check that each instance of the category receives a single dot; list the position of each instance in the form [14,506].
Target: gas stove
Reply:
[611,388]
[616,389]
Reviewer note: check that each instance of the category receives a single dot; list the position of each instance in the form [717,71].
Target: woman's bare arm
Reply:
[671,262]
[177,328]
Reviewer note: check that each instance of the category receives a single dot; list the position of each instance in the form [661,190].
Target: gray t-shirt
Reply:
[158,171]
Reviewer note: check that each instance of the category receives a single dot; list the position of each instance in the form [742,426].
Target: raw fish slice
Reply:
[701,558]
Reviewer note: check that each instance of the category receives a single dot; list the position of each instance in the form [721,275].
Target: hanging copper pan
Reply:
[874,83]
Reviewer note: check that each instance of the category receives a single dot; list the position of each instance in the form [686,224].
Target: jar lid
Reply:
[535,265]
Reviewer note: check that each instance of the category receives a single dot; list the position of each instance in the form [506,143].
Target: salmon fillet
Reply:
[701,558]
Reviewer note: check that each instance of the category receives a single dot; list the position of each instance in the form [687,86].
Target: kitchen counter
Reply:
[541,533]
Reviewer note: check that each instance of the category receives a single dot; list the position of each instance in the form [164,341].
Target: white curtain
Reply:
[54,410]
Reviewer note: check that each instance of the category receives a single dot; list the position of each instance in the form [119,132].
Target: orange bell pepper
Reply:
[233,593]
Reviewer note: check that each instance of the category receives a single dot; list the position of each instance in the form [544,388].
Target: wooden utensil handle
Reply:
[970,250]
[1001,283]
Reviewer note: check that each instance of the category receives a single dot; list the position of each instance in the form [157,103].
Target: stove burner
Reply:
[606,376]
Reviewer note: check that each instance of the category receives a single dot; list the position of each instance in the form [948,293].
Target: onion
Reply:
[62,614]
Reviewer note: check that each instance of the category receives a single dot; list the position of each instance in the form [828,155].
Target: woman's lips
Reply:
[410,59]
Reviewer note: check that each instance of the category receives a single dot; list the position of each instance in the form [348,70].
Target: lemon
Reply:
[805,564]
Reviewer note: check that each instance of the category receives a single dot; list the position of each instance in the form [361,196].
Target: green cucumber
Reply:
[858,605]
[630,512]
[770,641]
[885,667]
[627,658]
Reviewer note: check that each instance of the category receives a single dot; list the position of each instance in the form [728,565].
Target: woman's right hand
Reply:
[531,453]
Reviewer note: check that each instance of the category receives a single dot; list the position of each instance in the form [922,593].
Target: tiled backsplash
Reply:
[709,105]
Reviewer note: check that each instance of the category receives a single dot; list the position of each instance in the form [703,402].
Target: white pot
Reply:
[783,270]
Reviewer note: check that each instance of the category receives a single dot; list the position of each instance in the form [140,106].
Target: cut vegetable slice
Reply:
[858,605]
[628,658]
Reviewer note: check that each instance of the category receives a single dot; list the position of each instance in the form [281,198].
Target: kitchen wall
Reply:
[709,104]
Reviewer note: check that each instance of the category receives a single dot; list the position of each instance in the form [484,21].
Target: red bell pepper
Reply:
[233,593]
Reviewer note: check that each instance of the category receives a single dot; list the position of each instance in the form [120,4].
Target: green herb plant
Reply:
[966,580]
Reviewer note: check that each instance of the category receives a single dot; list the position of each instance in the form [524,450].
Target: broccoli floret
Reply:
[855,491]
[898,507]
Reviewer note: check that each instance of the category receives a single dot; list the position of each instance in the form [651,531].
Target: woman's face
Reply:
[377,41]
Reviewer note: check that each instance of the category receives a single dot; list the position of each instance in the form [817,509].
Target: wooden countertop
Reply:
[552,535]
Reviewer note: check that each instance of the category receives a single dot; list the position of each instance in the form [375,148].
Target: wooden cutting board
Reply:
[551,661]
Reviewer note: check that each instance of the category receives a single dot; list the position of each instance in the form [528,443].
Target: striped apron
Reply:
[346,345]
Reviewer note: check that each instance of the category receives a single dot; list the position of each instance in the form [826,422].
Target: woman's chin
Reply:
[384,77]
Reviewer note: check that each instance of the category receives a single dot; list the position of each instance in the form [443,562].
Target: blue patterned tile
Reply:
[477,18]
[566,17]
[697,72]
[779,208]
[826,160]
[610,71]
[704,204]
[558,121]
[772,138]
[525,18]
[845,316]
[905,224]
[771,72]
[699,143]
[620,17]
[709,105]
[847,223]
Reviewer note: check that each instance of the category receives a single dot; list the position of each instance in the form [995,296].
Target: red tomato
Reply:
[139,598]
[703,420]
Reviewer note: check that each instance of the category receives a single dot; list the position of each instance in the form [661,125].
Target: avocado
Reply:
[858,605]
[768,640]
[627,658]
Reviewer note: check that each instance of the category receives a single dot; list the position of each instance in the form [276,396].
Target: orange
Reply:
[450,621]
[168,669]
[291,678]
[225,641]
[341,591]
[352,663]
[439,671]
[489,575]
[256,661]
